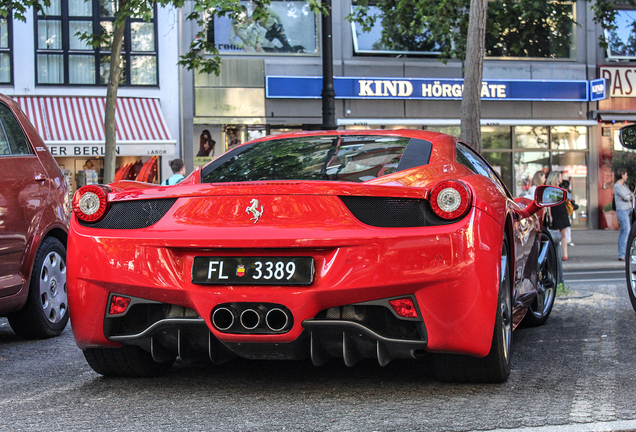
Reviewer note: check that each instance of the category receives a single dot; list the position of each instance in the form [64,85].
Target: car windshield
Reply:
[346,158]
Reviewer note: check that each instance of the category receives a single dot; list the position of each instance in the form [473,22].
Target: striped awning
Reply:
[80,120]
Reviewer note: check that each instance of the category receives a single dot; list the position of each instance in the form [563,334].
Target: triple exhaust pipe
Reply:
[251,319]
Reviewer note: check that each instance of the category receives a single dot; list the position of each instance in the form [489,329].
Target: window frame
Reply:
[608,52]
[95,53]
[9,49]
[573,46]
[386,52]
[232,49]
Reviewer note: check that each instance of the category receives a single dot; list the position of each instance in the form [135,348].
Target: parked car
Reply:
[350,244]
[627,137]
[34,218]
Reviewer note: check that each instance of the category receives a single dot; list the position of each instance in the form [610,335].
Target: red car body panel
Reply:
[34,201]
[452,270]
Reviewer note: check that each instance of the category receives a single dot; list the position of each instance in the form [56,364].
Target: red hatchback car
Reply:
[34,208]
[321,245]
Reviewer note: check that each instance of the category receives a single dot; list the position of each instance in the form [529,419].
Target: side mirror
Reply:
[548,196]
[627,137]
[544,196]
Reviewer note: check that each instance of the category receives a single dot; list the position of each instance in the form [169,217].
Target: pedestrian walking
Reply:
[570,207]
[623,198]
[178,172]
[559,217]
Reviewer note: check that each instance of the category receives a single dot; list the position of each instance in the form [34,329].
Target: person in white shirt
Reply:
[623,198]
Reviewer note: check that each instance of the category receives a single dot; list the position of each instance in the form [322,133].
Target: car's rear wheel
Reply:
[547,280]
[630,265]
[127,361]
[495,367]
[45,313]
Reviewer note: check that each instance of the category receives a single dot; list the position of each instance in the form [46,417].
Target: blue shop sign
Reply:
[598,89]
[291,87]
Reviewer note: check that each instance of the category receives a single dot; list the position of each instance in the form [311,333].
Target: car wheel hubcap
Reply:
[53,287]
[505,306]
[632,267]
[546,279]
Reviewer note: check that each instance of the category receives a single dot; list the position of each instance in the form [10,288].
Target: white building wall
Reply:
[168,90]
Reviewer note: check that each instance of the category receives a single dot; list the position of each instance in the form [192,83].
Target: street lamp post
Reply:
[328,93]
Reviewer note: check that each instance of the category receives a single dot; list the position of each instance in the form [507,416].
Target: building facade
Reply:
[539,111]
[59,80]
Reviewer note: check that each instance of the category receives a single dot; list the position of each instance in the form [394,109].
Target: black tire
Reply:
[127,361]
[548,276]
[630,265]
[495,367]
[45,313]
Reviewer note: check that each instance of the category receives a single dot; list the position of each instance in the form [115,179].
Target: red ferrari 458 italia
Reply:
[350,244]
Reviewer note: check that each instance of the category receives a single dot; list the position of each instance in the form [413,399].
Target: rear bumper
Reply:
[452,271]
[190,339]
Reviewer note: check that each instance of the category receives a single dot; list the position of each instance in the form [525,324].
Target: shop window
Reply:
[495,137]
[622,39]
[526,164]
[449,130]
[64,58]
[568,138]
[574,168]
[289,27]
[531,137]
[551,30]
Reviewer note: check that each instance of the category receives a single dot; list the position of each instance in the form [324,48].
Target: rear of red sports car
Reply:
[325,245]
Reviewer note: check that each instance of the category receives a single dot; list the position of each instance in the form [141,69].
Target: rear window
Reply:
[344,158]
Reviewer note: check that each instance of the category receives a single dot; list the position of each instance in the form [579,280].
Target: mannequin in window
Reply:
[206,144]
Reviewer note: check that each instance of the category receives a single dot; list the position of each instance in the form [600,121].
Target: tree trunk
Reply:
[470,112]
[111,102]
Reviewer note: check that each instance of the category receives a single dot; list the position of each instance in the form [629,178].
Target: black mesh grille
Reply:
[132,214]
[389,212]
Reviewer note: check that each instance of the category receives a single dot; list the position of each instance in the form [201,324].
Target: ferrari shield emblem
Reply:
[254,211]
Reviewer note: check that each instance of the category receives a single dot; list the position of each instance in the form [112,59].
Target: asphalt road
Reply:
[577,371]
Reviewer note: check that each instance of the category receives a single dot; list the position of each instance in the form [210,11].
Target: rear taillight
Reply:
[450,199]
[90,202]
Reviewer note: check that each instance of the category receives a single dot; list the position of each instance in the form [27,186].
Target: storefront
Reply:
[527,125]
[73,130]
[613,113]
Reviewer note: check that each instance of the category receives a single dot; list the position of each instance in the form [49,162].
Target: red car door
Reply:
[24,191]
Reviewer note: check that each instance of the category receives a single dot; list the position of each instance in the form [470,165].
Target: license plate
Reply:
[253,270]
